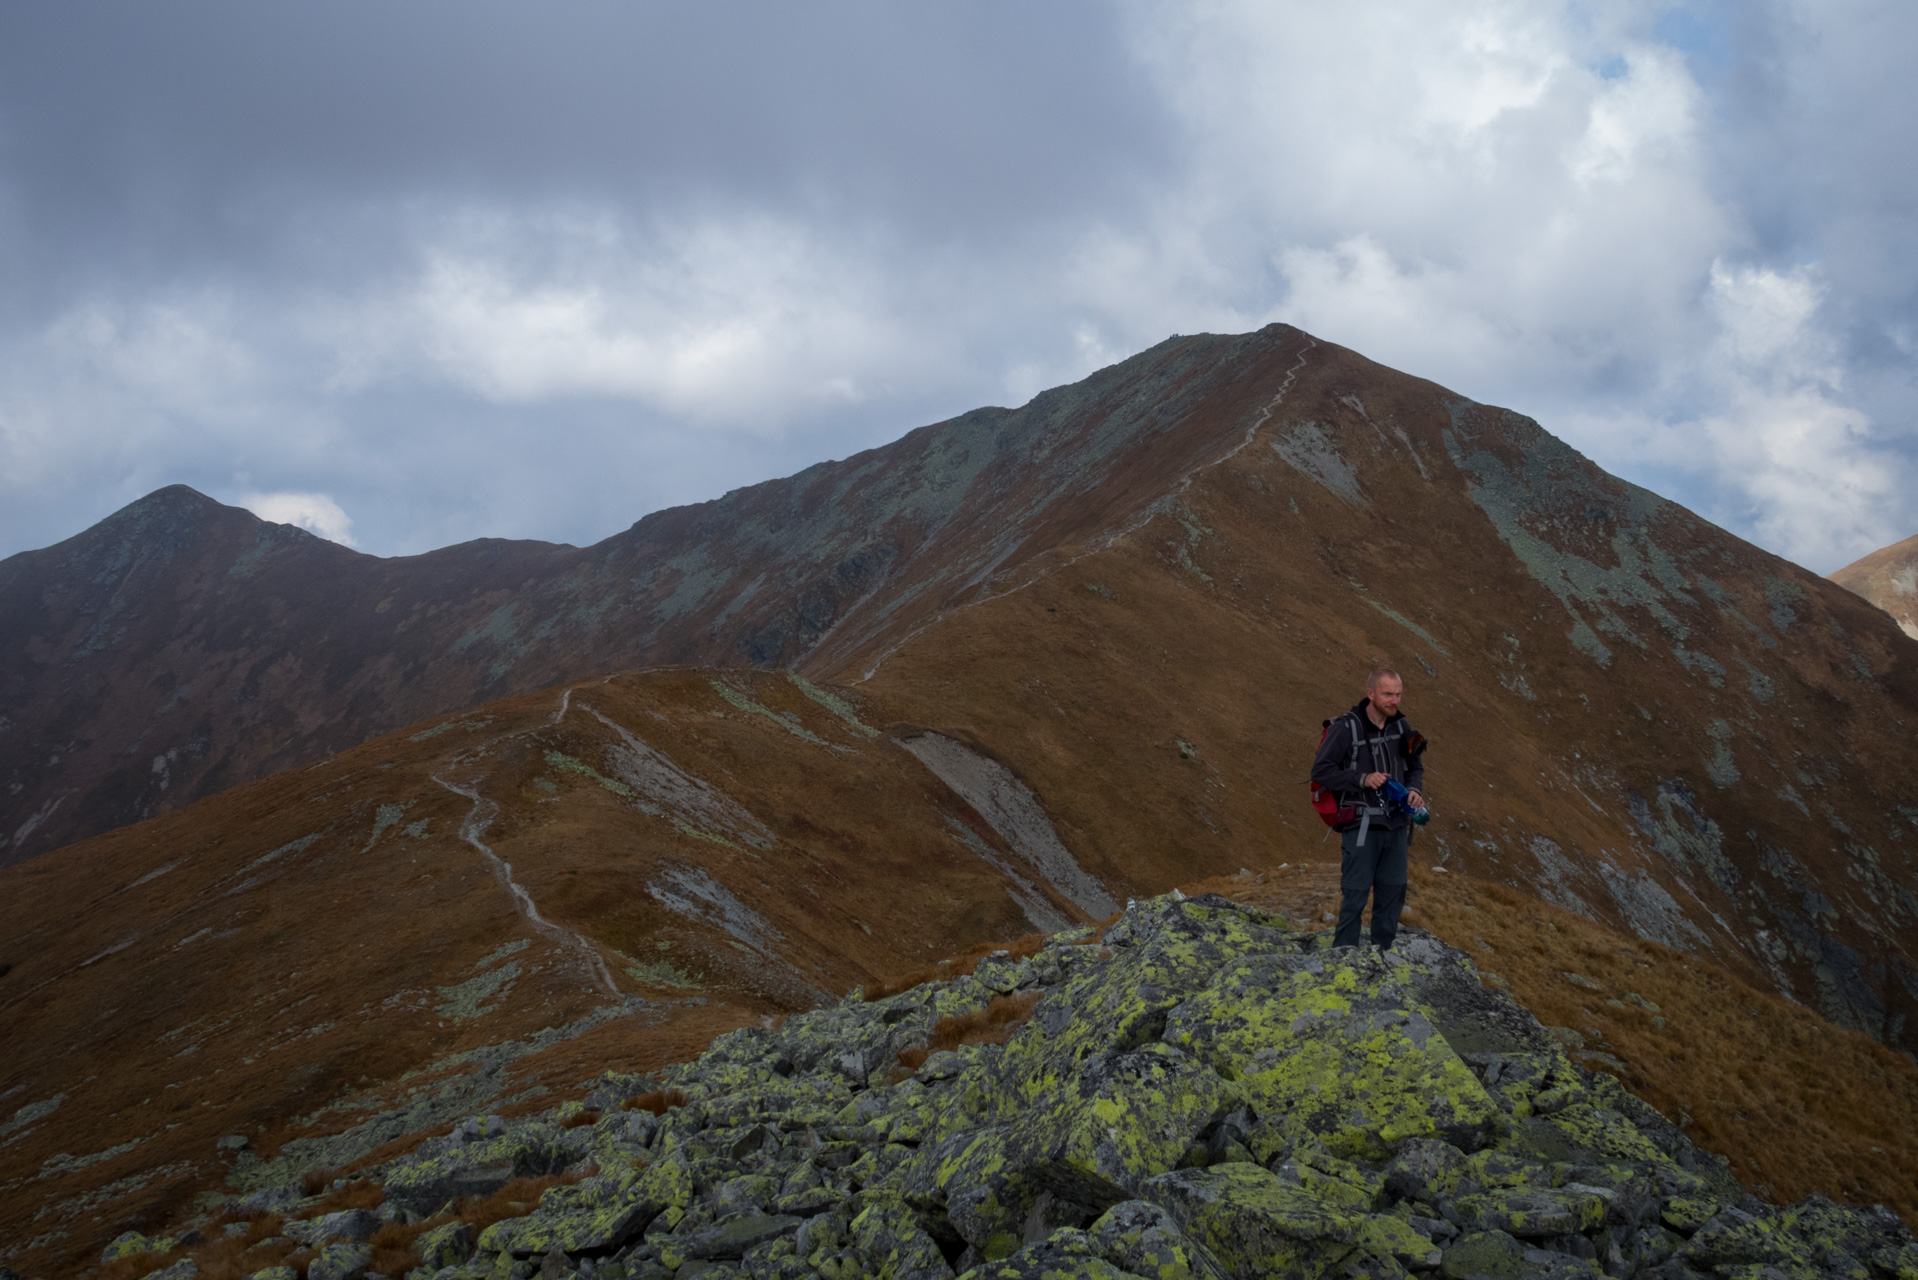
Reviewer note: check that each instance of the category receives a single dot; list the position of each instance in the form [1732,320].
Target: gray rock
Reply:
[1140,1238]
[356,1225]
[730,1237]
[184,1269]
[275,1273]
[425,1186]
[446,1245]
[273,1199]
[339,1262]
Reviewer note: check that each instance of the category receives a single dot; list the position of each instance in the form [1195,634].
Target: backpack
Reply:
[1325,803]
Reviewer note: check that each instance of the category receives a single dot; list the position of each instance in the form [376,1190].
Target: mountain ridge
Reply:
[762,575]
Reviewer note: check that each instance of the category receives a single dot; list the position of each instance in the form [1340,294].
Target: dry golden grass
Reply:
[357,1194]
[1797,1104]
[221,1257]
[391,1150]
[392,1246]
[993,1024]
[956,966]
[514,1200]
[659,1101]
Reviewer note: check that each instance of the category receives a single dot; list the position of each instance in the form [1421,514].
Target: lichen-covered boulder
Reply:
[129,1243]
[424,1185]
[345,1261]
[1202,1093]
[446,1245]
[1124,1116]
[356,1225]
[1813,1238]
[1065,1255]
[893,1245]
[1529,1213]
[1254,1223]
[594,1216]
[1495,1255]
[1338,1050]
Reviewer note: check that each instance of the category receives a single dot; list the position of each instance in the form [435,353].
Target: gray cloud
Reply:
[443,271]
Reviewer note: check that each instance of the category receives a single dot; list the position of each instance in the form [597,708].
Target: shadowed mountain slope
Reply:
[1888,577]
[181,646]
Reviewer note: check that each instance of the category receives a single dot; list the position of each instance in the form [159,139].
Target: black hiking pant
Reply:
[1376,869]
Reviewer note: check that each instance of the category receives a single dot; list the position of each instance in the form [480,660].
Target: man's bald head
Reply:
[1384,688]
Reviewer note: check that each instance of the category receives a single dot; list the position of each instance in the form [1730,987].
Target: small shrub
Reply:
[392,1246]
[993,1024]
[956,967]
[514,1200]
[659,1101]
[357,1194]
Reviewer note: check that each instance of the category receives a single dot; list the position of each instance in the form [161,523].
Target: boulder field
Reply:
[1198,1089]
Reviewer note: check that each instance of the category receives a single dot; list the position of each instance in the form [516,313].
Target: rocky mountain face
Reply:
[1888,577]
[1092,664]
[180,646]
[1197,1090]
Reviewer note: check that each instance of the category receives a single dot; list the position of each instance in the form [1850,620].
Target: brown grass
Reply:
[357,1194]
[514,1200]
[392,1246]
[956,966]
[659,1101]
[1798,1104]
[221,1257]
[580,1119]
[392,1150]
[993,1024]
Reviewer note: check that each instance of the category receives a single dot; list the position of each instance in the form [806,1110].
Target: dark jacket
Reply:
[1380,751]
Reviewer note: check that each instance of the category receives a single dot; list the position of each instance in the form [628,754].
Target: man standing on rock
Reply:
[1361,750]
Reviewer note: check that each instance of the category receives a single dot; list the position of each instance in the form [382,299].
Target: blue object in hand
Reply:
[1399,798]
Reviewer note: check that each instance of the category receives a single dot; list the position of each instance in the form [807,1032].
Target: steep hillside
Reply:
[438,921]
[1635,715]
[1888,577]
[180,647]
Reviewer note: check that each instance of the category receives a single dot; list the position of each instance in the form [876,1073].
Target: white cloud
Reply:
[741,321]
[1542,204]
[314,512]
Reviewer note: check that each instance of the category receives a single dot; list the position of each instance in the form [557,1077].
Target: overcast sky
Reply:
[416,271]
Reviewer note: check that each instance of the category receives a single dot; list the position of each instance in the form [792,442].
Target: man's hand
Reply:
[1415,800]
[1373,780]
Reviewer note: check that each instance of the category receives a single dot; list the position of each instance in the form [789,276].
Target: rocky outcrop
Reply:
[1888,577]
[1200,1091]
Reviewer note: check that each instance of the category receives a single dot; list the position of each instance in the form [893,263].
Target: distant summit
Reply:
[180,646]
[1888,577]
